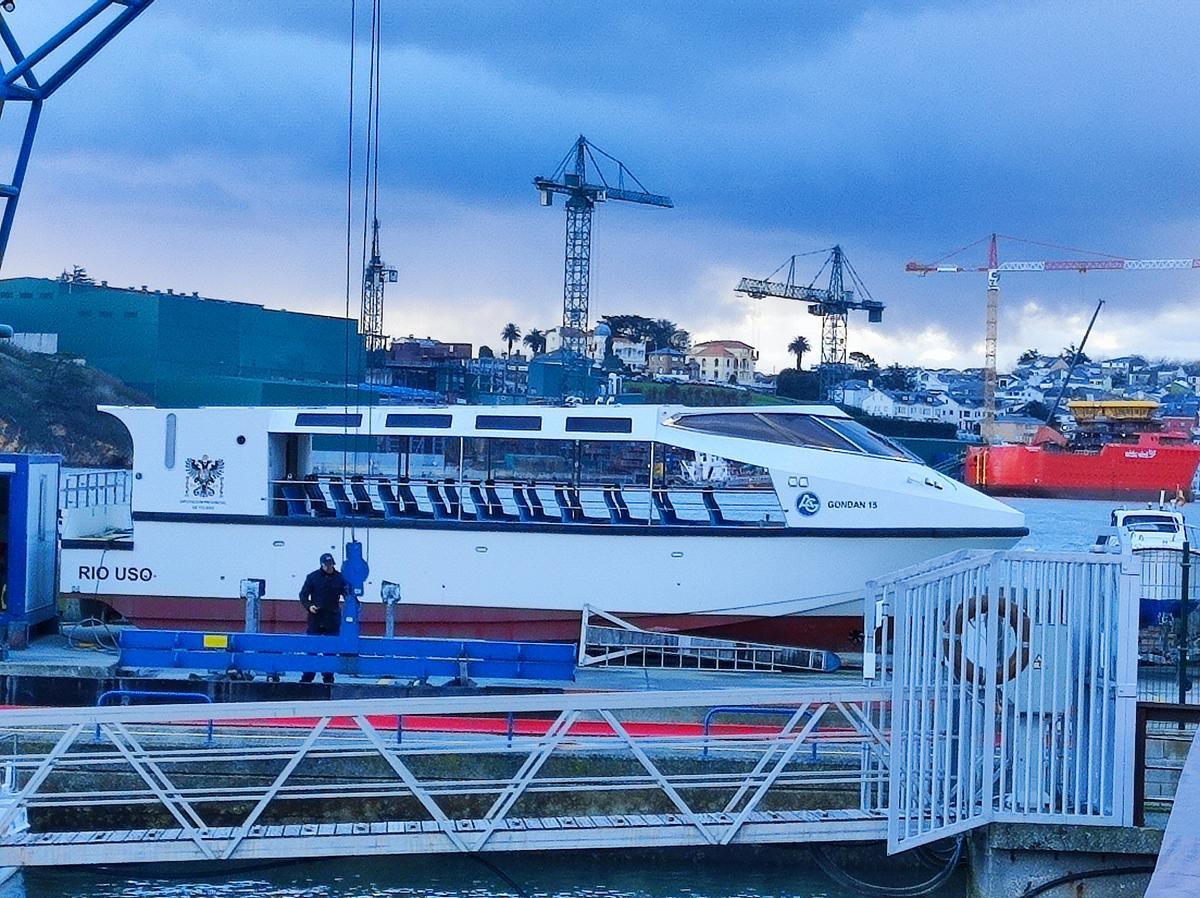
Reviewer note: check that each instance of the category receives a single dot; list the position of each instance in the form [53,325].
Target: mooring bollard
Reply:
[252,591]
[390,594]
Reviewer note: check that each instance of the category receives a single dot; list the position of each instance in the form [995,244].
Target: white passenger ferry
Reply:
[506,521]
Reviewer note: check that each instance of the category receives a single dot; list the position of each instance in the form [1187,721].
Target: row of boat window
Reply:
[789,428]
[450,500]
[433,421]
[807,431]
[574,462]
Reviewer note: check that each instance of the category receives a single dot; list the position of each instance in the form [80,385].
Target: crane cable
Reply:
[349,251]
[370,209]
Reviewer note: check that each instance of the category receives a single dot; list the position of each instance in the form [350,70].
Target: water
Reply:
[1072,524]
[1055,524]
[740,873]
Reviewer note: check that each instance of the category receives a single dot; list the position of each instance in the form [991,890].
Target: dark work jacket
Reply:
[324,590]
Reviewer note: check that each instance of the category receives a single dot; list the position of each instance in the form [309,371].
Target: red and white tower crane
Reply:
[995,267]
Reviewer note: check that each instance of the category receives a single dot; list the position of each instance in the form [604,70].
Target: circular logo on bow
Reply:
[808,504]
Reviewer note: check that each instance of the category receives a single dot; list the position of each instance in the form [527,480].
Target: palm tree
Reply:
[536,341]
[798,347]
[511,334]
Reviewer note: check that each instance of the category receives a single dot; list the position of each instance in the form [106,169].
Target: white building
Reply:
[724,361]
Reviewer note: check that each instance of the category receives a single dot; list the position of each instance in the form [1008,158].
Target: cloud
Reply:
[205,149]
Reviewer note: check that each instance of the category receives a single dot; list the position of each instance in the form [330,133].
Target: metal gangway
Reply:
[999,686]
[606,640]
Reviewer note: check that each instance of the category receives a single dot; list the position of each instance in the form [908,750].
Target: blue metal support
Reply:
[20,83]
[279,653]
[749,709]
[126,695]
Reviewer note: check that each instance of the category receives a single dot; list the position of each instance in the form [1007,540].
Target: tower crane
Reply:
[831,304]
[995,267]
[377,274]
[571,179]
[31,79]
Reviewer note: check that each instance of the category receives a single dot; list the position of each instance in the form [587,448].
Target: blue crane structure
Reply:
[571,180]
[29,79]
[832,304]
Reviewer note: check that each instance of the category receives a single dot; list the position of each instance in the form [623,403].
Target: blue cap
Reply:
[327,559]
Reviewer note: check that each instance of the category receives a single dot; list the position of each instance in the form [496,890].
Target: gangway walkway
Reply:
[330,778]
[999,687]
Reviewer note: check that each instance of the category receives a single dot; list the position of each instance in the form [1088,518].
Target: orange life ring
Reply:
[1011,614]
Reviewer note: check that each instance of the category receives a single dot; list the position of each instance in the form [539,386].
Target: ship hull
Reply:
[802,587]
[1116,472]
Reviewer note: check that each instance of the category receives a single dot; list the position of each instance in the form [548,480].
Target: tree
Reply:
[862,361]
[681,340]
[1069,352]
[1028,357]
[662,333]
[793,384]
[536,341]
[485,352]
[1036,409]
[511,334]
[897,377]
[798,347]
[77,275]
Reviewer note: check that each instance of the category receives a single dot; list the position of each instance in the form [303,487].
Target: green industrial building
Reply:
[186,350]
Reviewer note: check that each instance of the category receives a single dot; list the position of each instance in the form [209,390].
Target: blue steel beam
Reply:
[20,83]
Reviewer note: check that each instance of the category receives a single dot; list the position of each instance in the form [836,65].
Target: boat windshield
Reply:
[1150,524]
[790,428]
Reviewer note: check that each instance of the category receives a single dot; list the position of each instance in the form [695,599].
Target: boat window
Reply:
[741,425]
[326,419]
[349,454]
[576,424]
[1143,523]
[510,458]
[809,431]
[508,422]
[429,458]
[678,467]
[868,440]
[439,421]
[169,448]
[604,462]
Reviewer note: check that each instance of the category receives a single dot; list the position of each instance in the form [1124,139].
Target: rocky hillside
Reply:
[48,404]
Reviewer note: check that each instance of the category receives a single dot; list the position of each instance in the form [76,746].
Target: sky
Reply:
[205,149]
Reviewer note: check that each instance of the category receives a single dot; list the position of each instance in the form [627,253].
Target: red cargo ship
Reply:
[1115,454]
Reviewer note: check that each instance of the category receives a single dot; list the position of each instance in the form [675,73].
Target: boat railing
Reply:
[529,502]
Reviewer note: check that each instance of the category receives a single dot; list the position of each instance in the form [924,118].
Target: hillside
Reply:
[48,404]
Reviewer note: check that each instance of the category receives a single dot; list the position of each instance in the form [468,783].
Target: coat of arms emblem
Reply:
[205,477]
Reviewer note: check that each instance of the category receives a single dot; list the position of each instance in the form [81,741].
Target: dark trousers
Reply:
[320,627]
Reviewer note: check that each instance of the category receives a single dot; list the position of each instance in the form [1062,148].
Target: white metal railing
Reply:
[465,774]
[543,502]
[1013,678]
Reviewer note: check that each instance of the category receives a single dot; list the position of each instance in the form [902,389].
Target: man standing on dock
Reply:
[322,595]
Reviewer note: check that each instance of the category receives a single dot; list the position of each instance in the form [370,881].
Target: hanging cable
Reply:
[873,890]
[349,248]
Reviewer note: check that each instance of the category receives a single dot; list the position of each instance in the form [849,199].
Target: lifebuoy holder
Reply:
[1011,615]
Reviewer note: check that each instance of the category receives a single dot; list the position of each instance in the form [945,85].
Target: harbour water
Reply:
[760,873]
